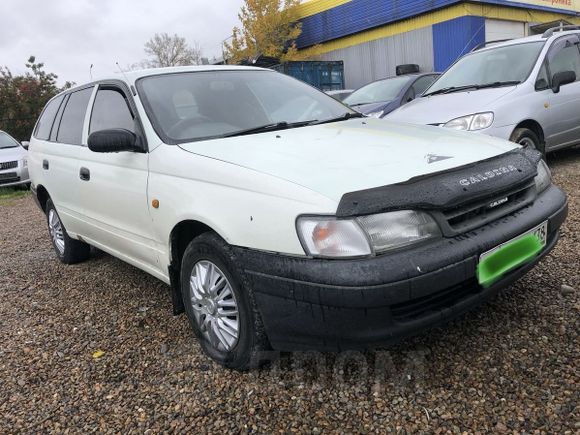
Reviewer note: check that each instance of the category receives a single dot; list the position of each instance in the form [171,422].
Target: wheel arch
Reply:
[535,126]
[179,238]
[42,196]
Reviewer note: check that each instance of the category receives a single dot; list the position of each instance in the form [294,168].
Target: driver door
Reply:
[563,128]
[113,186]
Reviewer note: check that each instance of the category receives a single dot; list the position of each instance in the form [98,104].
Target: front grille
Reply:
[421,307]
[8,165]
[9,177]
[471,215]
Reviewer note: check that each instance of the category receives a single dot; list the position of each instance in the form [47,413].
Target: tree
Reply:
[166,50]
[23,97]
[269,28]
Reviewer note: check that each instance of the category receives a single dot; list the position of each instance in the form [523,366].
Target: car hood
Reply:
[12,154]
[440,109]
[337,158]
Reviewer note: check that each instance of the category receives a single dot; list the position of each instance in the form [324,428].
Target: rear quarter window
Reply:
[46,119]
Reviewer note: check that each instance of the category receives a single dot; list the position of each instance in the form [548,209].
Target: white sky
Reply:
[70,35]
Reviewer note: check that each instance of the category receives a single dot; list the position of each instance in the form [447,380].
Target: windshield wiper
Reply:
[269,127]
[344,117]
[451,89]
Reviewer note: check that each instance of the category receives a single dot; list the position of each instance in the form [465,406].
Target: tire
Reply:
[209,312]
[69,251]
[528,139]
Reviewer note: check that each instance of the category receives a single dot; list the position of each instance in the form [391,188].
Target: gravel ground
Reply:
[94,347]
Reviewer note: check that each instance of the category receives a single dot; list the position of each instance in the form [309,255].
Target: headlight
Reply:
[376,114]
[24,163]
[330,237]
[399,228]
[478,121]
[544,177]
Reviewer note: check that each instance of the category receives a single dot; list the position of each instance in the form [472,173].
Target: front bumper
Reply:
[15,176]
[335,305]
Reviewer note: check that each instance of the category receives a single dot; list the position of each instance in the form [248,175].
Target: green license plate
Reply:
[510,255]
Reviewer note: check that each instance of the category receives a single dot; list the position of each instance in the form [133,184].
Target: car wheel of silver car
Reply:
[220,304]
[527,138]
[68,250]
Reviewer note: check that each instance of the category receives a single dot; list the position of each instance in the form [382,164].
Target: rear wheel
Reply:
[220,304]
[528,139]
[69,251]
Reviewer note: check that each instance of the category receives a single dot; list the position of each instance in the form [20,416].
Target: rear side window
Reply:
[111,111]
[47,119]
[70,130]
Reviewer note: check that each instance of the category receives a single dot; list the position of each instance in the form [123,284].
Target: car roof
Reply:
[533,38]
[130,77]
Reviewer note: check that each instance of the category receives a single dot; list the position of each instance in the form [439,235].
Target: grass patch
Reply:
[7,193]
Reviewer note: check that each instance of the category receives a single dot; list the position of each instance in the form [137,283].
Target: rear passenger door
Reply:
[58,139]
[113,188]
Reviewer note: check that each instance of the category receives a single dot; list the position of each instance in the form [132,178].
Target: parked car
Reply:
[340,95]
[280,218]
[379,98]
[525,90]
[13,162]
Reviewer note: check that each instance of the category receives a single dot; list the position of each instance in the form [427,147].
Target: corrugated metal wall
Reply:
[359,15]
[452,39]
[377,59]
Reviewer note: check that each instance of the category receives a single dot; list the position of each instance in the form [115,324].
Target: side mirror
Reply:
[562,78]
[25,144]
[114,140]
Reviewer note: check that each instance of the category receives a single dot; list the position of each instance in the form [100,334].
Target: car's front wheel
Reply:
[69,251]
[528,139]
[220,304]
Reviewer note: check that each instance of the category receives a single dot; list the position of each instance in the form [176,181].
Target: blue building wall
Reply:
[452,39]
[359,15]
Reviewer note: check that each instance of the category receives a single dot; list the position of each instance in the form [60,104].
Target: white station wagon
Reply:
[280,218]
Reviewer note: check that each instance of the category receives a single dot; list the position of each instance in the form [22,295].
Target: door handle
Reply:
[85,174]
[45,164]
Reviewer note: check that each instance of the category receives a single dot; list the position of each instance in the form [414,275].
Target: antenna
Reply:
[91,71]
[122,72]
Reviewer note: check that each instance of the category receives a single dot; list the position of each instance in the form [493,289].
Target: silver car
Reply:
[525,90]
[13,162]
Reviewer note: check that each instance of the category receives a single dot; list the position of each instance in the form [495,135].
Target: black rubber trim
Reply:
[446,189]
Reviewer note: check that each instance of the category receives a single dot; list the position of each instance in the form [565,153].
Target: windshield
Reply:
[377,92]
[6,141]
[512,63]
[192,106]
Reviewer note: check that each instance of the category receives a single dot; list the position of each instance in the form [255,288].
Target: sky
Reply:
[70,35]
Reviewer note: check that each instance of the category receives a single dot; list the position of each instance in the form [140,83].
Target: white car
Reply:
[524,90]
[13,162]
[280,218]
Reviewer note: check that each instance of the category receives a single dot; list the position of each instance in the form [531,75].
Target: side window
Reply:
[564,55]
[423,83]
[111,111]
[420,85]
[47,119]
[70,130]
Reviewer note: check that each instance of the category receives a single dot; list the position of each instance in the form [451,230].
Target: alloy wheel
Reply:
[56,231]
[214,305]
